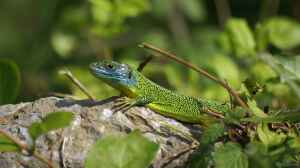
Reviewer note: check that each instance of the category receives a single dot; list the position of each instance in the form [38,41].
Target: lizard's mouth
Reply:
[106,71]
[98,70]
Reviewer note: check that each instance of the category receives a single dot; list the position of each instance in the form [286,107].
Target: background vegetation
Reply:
[252,44]
[44,36]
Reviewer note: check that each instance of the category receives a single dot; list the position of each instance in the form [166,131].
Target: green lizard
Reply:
[140,91]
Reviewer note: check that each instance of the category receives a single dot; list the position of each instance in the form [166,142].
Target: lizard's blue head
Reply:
[115,74]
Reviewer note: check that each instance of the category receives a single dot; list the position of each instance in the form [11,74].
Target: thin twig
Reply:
[223,11]
[27,149]
[70,76]
[42,159]
[197,69]
[21,145]
[144,63]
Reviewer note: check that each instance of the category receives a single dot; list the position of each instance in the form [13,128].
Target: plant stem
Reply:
[27,149]
[144,63]
[197,69]
[70,76]
[223,11]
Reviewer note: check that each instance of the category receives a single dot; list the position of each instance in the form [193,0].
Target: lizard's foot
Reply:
[123,104]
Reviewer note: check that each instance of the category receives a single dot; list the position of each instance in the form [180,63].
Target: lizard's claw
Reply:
[123,104]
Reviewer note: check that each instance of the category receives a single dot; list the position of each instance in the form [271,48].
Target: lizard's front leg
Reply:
[124,103]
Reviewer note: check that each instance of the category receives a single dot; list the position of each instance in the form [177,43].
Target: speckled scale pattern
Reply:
[169,103]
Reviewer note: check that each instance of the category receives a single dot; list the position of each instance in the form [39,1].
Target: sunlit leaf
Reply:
[51,122]
[9,81]
[230,155]
[268,137]
[257,68]
[109,16]
[285,74]
[291,65]
[294,143]
[252,103]
[241,37]
[228,70]
[284,33]
[7,145]
[117,151]
[63,44]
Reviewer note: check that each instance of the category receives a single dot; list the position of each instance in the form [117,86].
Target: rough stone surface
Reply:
[68,147]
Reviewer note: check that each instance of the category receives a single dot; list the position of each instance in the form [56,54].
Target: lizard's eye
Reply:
[130,75]
[110,66]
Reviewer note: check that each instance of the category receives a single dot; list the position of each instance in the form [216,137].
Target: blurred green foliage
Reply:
[9,81]
[56,34]
[234,40]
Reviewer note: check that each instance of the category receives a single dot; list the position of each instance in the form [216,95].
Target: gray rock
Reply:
[67,147]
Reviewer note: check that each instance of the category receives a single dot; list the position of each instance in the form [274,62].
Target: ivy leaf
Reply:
[117,151]
[9,81]
[241,37]
[51,122]
[268,137]
[230,155]
[7,145]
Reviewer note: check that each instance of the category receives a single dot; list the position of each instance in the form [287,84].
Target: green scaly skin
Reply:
[140,91]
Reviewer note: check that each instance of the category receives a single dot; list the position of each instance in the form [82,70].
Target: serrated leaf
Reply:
[230,155]
[212,133]
[241,37]
[115,151]
[9,81]
[268,137]
[7,145]
[51,122]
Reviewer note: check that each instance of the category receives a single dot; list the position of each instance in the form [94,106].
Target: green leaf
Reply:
[117,151]
[262,40]
[286,75]
[212,133]
[51,122]
[193,9]
[291,66]
[294,143]
[9,81]
[241,37]
[283,32]
[258,156]
[268,137]
[7,145]
[230,155]
[252,103]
